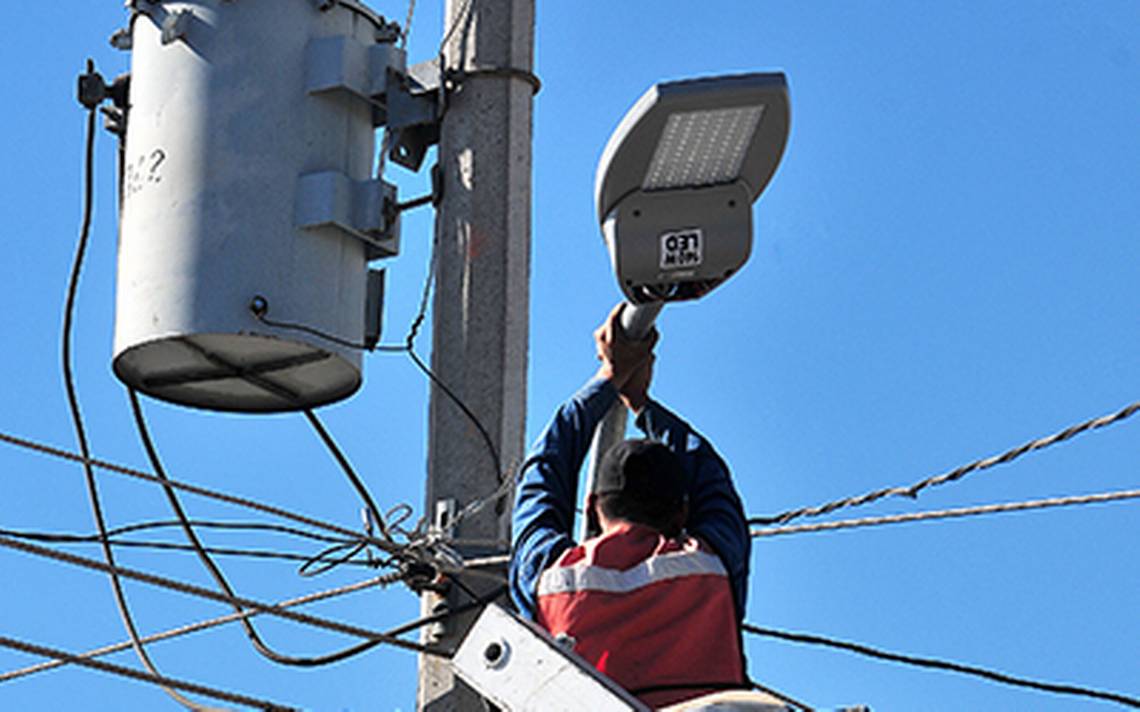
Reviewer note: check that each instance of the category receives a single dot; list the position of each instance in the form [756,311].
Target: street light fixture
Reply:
[677,180]
[674,193]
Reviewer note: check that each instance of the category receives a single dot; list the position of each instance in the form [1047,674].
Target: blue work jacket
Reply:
[547,495]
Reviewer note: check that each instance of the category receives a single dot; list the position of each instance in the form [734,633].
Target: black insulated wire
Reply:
[76,412]
[166,683]
[216,573]
[933,663]
[349,472]
[254,606]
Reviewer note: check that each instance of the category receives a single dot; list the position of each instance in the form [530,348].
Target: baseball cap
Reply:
[640,468]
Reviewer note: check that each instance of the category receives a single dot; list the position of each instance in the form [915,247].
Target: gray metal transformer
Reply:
[248,179]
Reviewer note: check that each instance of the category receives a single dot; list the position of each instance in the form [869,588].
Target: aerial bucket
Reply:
[247,189]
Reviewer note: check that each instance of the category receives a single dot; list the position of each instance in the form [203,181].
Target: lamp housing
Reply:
[676,182]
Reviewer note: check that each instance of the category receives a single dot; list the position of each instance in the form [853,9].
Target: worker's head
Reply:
[642,482]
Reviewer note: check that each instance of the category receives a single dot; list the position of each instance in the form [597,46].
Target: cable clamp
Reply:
[456,77]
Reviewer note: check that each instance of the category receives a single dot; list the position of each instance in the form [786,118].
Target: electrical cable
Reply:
[949,513]
[482,430]
[324,561]
[913,491]
[167,683]
[259,307]
[209,594]
[349,472]
[238,526]
[68,537]
[384,580]
[934,663]
[308,559]
[229,618]
[215,571]
[73,399]
[410,347]
[194,489]
[462,17]
[407,24]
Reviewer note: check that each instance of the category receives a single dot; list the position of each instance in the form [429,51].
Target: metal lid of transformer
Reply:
[354,5]
[696,133]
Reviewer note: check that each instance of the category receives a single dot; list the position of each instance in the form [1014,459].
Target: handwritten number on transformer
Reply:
[143,171]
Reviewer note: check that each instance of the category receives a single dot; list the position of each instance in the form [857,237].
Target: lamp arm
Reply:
[636,322]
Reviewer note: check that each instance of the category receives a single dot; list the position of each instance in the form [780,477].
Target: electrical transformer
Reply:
[249,208]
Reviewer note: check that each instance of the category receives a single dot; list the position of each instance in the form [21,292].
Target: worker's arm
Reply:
[543,517]
[716,515]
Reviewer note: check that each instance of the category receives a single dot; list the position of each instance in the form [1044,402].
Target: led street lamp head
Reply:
[677,180]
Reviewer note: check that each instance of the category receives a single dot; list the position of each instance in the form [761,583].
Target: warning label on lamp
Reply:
[682,249]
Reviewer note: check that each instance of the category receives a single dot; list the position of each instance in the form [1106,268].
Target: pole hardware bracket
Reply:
[176,25]
[413,113]
[404,100]
[359,209]
[93,90]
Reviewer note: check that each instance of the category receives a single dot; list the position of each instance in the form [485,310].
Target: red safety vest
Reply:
[646,611]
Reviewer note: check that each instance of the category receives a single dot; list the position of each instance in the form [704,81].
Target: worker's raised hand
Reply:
[622,358]
[635,392]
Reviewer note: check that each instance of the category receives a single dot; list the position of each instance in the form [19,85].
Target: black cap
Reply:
[644,469]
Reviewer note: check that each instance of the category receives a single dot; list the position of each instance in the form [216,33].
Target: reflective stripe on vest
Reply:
[584,576]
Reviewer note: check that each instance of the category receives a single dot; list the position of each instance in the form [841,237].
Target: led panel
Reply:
[701,148]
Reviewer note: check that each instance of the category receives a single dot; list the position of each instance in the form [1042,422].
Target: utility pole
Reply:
[481,307]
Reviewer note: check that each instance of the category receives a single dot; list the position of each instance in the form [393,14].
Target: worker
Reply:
[656,599]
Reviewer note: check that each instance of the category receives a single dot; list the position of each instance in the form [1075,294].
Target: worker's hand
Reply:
[635,392]
[621,356]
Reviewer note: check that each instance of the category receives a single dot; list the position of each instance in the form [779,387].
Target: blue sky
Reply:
[944,267]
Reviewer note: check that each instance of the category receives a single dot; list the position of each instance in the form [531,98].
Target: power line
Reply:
[349,472]
[410,348]
[407,24]
[934,663]
[913,491]
[231,617]
[92,77]
[224,525]
[194,489]
[203,625]
[191,589]
[259,307]
[55,538]
[215,571]
[949,513]
[461,18]
[167,683]
[45,449]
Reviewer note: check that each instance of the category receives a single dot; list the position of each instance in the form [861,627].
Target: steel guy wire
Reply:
[1055,688]
[200,592]
[913,491]
[73,398]
[215,571]
[950,513]
[167,683]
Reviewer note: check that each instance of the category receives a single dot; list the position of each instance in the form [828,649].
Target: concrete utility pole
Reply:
[481,307]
